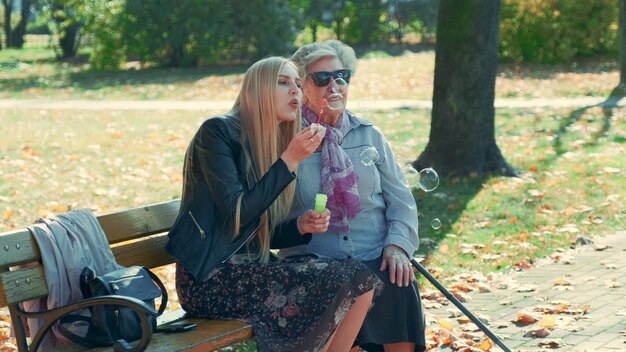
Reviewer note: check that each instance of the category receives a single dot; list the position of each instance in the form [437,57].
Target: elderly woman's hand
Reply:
[397,261]
[314,222]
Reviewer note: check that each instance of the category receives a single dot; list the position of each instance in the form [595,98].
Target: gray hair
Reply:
[310,53]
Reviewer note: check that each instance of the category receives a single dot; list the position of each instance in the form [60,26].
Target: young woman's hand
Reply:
[313,221]
[303,145]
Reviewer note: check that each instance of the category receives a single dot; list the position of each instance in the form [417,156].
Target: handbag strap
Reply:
[164,296]
[72,318]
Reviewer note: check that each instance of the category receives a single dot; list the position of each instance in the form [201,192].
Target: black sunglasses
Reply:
[322,78]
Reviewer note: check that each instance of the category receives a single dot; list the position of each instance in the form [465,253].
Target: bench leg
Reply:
[18,328]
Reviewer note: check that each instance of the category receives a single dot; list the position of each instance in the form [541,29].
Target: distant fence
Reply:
[37,40]
[45,40]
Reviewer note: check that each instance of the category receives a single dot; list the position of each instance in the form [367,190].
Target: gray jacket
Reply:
[68,243]
[388,211]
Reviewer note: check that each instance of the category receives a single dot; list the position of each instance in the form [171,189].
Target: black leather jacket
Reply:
[201,237]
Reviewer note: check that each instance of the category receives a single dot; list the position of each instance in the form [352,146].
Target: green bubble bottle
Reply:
[320,202]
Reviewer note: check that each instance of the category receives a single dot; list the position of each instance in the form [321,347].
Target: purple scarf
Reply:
[337,177]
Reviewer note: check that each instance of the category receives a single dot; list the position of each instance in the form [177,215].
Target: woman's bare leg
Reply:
[400,347]
[345,334]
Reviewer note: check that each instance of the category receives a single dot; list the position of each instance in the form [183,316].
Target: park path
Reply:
[201,105]
[583,289]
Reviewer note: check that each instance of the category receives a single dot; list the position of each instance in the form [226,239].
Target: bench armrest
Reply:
[142,309]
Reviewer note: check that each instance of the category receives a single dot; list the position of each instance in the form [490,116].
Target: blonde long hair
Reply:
[263,141]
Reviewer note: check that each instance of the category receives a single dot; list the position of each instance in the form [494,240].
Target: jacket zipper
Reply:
[203,235]
[116,314]
[241,245]
[134,277]
[193,219]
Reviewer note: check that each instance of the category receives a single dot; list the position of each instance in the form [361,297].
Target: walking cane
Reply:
[458,304]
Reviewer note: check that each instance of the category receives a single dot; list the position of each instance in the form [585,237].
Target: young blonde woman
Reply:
[238,185]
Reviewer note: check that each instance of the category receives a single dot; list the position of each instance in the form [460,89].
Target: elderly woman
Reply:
[373,213]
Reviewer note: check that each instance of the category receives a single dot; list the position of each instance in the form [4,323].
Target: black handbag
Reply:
[110,323]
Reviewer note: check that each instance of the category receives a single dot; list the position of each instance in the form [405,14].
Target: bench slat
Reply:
[149,252]
[139,222]
[209,335]
[23,284]
[18,247]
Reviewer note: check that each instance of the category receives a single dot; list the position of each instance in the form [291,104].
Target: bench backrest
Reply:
[137,237]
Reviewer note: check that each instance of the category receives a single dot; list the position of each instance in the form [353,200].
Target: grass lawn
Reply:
[33,73]
[572,176]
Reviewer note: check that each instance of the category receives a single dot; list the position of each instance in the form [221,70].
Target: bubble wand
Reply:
[320,198]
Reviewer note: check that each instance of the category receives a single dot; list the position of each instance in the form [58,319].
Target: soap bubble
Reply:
[369,156]
[335,101]
[339,85]
[435,224]
[411,176]
[428,179]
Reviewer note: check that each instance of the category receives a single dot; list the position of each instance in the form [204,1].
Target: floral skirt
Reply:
[293,305]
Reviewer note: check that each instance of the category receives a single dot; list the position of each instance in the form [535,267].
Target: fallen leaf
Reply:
[460,286]
[523,265]
[569,211]
[543,332]
[609,170]
[482,224]
[601,247]
[547,322]
[462,297]
[609,266]
[445,337]
[562,282]
[536,194]
[470,327]
[568,228]
[525,318]
[463,320]
[613,284]
[554,343]
[485,345]
[527,288]
[482,287]
[445,324]
[454,313]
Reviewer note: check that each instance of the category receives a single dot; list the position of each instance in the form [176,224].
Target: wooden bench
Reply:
[147,228]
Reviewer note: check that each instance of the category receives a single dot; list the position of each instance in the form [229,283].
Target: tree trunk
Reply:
[314,31]
[462,135]
[8,7]
[620,90]
[17,37]
[68,41]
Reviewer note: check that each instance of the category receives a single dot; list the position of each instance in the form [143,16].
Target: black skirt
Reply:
[397,315]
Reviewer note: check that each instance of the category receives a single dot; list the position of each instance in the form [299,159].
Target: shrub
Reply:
[557,30]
